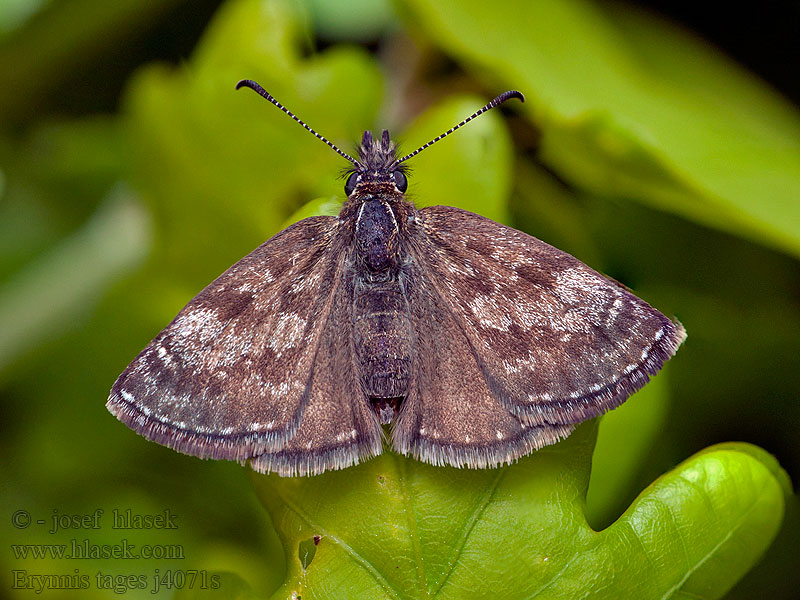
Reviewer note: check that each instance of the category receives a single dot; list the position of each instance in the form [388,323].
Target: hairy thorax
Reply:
[382,325]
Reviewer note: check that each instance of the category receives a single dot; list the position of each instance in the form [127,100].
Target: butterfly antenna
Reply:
[496,102]
[261,91]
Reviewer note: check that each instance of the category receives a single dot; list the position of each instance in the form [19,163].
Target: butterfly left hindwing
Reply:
[339,427]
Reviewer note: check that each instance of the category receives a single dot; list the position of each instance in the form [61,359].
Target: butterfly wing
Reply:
[450,416]
[231,375]
[339,426]
[555,341]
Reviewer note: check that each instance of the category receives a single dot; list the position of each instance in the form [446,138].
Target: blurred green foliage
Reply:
[640,149]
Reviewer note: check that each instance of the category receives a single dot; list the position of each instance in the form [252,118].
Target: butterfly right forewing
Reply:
[557,342]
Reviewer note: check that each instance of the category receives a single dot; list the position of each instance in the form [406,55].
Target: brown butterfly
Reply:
[476,342]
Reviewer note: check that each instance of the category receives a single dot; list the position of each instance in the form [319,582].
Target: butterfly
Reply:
[476,343]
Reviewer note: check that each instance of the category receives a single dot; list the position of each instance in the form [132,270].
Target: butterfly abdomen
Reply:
[381,321]
[382,337]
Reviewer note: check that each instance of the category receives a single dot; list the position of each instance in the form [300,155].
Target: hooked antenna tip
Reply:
[247,83]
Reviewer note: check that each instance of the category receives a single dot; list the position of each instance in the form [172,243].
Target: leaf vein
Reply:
[413,529]
[360,560]
[669,593]
[479,510]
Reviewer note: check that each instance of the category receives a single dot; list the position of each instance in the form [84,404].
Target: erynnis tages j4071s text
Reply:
[476,342]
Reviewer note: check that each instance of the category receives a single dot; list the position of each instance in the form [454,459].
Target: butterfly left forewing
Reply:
[228,378]
[557,342]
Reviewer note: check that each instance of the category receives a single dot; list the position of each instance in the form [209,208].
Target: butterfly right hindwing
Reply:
[450,416]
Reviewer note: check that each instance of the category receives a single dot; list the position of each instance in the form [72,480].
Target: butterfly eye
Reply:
[400,180]
[352,181]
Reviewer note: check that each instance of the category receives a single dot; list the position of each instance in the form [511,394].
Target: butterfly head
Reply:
[377,166]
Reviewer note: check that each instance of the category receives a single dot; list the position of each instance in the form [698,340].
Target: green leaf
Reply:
[318,206]
[333,19]
[13,13]
[226,586]
[57,289]
[224,166]
[397,528]
[625,436]
[631,106]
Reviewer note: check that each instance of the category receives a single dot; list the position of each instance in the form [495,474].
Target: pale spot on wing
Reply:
[461,268]
[513,261]
[489,313]
[587,295]
[288,331]
[347,435]
[277,391]
[615,309]
[201,324]
[253,427]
